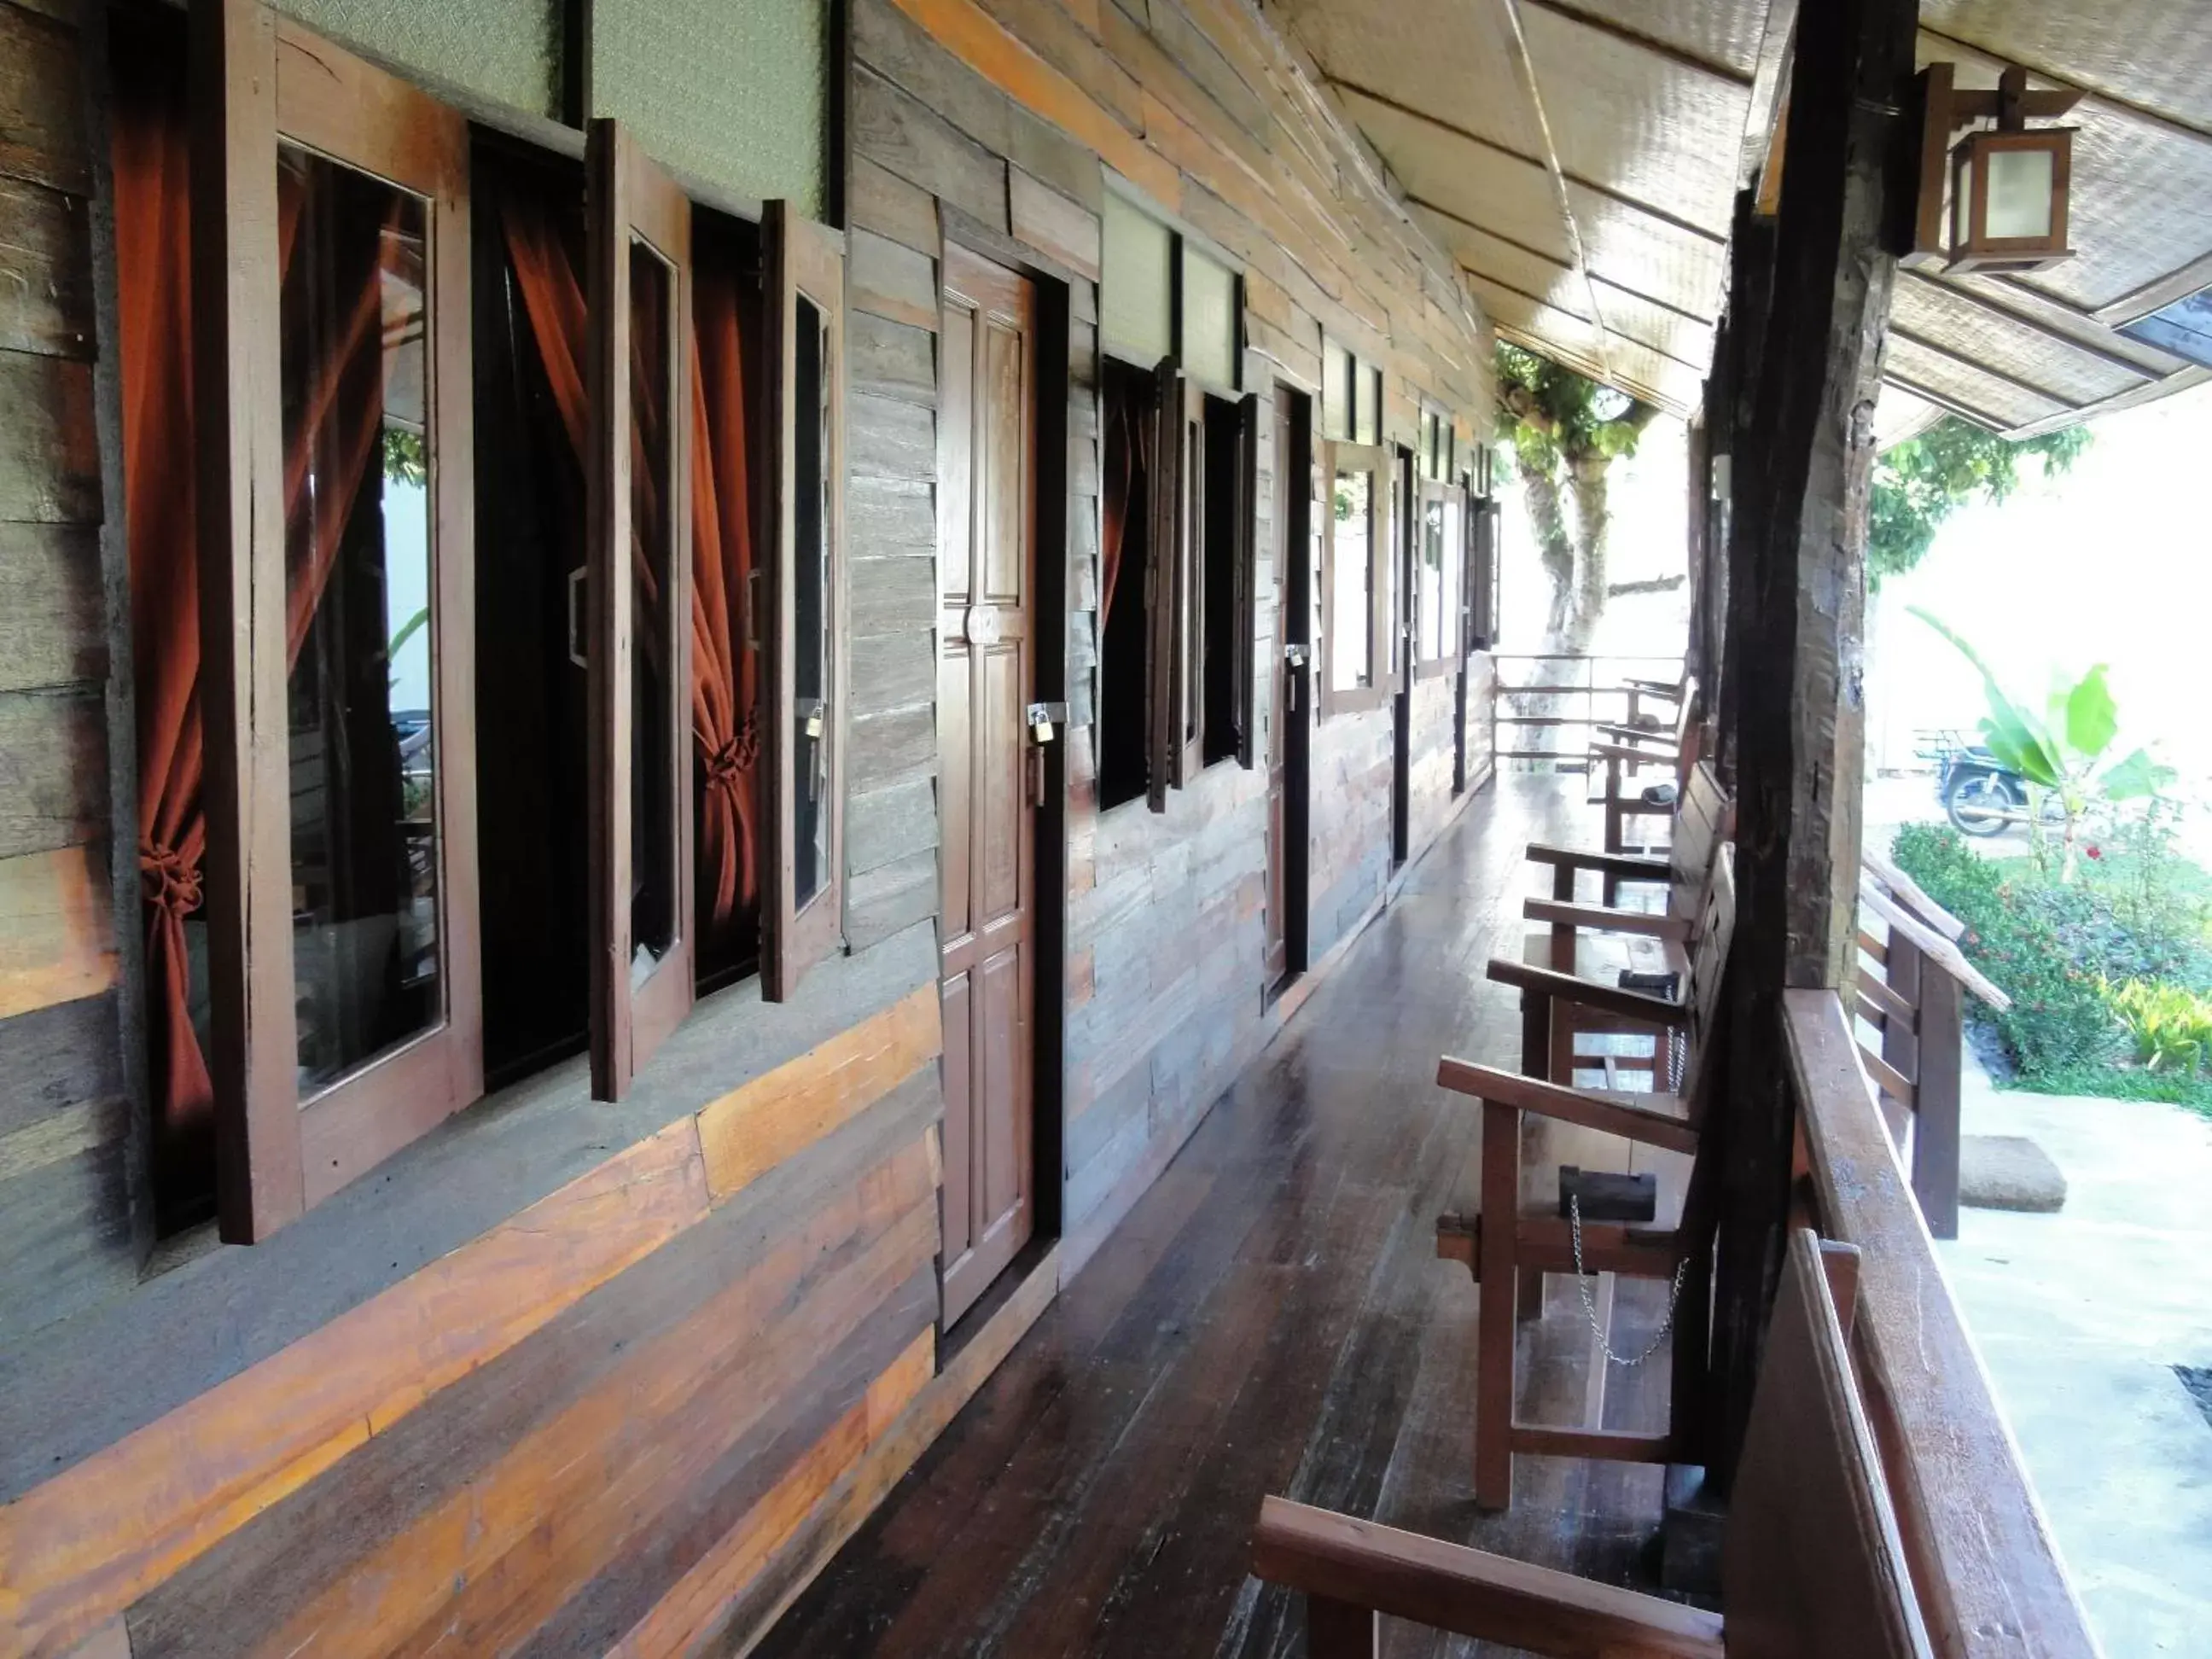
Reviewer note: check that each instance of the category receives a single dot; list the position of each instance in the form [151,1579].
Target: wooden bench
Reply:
[1622,753]
[1590,941]
[1531,1129]
[1813,1566]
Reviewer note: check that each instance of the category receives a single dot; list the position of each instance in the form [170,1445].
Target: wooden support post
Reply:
[1935,1129]
[1801,478]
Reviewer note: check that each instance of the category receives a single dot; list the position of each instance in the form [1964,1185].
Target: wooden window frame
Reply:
[1247,586]
[1483,517]
[1451,633]
[1163,563]
[1381,467]
[257,80]
[1187,588]
[801,260]
[632,200]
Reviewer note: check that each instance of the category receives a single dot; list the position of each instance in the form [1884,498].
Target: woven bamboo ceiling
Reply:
[1580,158]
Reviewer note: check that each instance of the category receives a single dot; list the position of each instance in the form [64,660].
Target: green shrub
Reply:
[2047,947]
[2170,1025]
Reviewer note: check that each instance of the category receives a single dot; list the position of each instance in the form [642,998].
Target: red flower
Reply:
[2094,852]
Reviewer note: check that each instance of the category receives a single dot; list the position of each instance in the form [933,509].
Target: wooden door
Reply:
[986,765]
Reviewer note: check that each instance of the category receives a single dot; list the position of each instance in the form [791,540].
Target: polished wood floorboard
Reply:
[1270,1317]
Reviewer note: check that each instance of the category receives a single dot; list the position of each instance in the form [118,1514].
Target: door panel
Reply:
[1275,629]
[987,541]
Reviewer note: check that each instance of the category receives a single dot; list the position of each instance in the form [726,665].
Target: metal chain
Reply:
[1590,1301]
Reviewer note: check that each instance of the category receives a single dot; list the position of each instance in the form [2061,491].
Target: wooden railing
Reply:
[1578,691]
[1911,994]
[1989,1581]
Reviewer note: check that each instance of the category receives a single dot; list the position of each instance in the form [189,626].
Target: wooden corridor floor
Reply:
[1270,1317]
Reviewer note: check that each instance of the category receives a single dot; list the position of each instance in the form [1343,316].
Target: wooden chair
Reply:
[1532,1129]
[1597,940]
[1812,1564]
[1625,752]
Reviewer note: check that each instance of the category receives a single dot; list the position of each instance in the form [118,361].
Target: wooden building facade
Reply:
[533,1092]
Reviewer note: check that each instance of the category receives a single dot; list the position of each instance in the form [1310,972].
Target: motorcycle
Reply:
[1981,795]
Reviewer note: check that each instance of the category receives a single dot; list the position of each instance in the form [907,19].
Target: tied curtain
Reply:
[1126,437]
[725,689]
[333,415]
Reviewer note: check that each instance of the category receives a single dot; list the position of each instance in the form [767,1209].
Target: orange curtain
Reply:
[725,688]
[725,726]
[332,438]
[152,242]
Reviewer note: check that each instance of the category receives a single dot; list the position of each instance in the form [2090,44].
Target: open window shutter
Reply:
[1247,572]
[638,582]
[1162,670]
[379,170]
[804,515]
[1190,563]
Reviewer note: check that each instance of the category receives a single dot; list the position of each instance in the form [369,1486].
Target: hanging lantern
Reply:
[2007,183]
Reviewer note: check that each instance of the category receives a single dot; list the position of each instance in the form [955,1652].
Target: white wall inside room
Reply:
[2111,563]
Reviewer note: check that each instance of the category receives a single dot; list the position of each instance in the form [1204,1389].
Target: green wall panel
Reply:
[734,91]
[507,49]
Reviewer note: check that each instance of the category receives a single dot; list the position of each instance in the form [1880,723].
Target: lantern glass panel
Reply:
[2020,191]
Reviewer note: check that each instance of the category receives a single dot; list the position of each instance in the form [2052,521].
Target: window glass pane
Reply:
[2020,192]
[362,631]
[1430,606]
[810,608]
[1209,319]
[1336,393]
[652,488]
[1135,282]
[1367,407]
[1351,661]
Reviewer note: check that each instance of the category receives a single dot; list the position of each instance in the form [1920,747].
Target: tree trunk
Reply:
[1593,527]
[1554,549]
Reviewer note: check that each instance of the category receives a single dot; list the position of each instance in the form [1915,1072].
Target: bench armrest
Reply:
[1469,1592]
[1589,992]
[1628,866]
[1607,1113]
[1610,919]
[1635,734]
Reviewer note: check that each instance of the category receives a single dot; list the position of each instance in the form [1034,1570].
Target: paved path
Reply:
[2081,1317]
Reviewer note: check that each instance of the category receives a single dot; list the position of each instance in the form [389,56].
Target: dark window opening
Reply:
[1222,611]
[1126,399]
[533,810]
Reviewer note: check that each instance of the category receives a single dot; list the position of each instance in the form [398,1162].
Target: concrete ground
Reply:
[2081,1317]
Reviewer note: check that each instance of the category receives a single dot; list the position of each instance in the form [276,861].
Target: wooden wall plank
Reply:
[896,672]
[890,438]
[58,1056]
[890,358]
[889,824]
[53,769]
[882,202]
[890,279]
[49,448]
[53,620]
[972,35]
[890,596]
[45,272]
[909,140]
[891,897]
[754,1128]
[1053,223]
[891,516]
[895,747]
[57,928]
[492,1562]
[81,1547]
[42,131]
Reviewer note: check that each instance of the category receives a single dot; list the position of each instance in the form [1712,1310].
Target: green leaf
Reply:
[2092,721]
[2135,777]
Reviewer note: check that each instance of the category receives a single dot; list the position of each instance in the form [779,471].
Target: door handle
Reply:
[576,652]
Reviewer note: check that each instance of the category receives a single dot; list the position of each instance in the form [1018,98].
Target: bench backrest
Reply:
[1703,820]
[1811,1567]
[1714,931]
